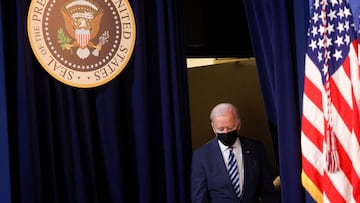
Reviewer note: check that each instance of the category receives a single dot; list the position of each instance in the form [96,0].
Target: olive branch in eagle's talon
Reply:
[64,40]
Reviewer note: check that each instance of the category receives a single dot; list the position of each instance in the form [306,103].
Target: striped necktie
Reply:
[233,172]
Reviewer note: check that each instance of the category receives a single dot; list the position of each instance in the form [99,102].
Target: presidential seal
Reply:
[82,43]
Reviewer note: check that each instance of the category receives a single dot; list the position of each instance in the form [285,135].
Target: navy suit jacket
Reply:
[210,180]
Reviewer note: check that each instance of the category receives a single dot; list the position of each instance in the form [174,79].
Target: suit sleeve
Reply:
[199,192]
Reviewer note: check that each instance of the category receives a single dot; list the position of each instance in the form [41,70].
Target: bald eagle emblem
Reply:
[82,22]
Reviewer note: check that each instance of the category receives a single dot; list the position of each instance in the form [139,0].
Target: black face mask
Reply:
[229,138]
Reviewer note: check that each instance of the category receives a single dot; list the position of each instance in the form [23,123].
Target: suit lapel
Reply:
[216,152]
[222,171]
[247,154]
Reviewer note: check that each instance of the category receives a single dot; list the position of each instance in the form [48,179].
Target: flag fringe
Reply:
[311,188]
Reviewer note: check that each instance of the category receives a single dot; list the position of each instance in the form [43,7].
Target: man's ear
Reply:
[212,127]
[239,127]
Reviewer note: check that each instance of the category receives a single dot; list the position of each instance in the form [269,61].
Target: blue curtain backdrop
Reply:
[5,193]
[126,141]
[278,31]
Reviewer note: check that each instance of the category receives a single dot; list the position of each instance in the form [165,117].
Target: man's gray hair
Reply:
[222,108]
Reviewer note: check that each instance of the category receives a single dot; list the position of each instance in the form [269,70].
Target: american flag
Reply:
[330,133]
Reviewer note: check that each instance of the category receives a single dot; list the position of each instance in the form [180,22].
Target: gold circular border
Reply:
[54,74]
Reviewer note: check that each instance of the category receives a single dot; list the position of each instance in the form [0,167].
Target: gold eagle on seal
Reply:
[82,22]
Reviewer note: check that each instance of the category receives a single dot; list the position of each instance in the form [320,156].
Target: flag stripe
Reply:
[349,168]
[339,102]
[332,192]
[349,142]
[313,114]
[311,156]
[313,93]
[308,129]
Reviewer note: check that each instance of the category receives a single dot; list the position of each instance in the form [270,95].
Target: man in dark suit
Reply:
[230,168]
